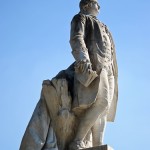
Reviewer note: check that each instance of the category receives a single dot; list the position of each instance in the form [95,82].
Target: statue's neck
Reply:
[88,14]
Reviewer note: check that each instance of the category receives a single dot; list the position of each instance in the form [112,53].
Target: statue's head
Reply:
[89,7]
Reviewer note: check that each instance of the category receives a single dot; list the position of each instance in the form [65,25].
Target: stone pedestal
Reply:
[103,147]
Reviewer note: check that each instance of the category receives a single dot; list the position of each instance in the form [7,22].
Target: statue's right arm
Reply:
[77,42]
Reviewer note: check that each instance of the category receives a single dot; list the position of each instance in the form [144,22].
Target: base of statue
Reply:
[102,147]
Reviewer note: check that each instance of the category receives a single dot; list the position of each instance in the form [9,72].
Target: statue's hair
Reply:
[84,3]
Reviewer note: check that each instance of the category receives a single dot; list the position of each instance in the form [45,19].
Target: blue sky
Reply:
[34,46]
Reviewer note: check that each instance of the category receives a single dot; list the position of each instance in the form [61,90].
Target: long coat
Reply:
[87,43]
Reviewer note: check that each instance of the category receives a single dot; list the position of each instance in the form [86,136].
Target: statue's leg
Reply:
[88,139]
[98,130]
[96,110]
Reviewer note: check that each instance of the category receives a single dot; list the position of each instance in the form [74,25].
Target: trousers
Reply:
[100,108]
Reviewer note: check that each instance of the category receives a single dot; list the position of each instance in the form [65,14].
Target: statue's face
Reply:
[93,8]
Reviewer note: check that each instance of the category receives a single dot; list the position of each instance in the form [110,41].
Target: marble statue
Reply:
[76,104]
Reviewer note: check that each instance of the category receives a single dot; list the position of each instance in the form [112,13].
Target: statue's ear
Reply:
[85,7]
[89,5]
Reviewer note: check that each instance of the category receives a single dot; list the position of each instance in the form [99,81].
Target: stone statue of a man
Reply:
[94,52]
[78,101]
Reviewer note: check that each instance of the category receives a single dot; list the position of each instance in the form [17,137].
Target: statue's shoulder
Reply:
[79,17]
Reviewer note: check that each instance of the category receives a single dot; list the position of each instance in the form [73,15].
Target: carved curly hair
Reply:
[84,3]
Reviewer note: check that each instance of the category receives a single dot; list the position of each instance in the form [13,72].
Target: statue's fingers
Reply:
[81,67]
[85,67]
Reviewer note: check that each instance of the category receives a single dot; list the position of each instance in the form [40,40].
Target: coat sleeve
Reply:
[79,50]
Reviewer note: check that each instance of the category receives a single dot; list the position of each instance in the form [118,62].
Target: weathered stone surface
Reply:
[103,147]
[76,104]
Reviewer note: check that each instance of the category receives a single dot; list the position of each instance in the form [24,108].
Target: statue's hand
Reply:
[82,66]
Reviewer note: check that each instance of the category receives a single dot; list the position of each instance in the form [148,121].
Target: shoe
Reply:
[87,143]
[77,145]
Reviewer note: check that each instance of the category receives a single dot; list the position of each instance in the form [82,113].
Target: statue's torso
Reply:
[98,43]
